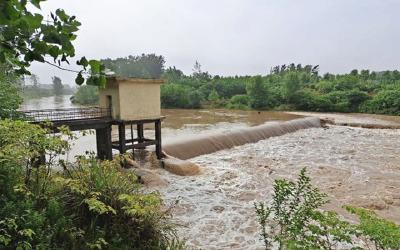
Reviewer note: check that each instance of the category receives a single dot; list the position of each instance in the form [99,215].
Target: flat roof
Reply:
[134,80]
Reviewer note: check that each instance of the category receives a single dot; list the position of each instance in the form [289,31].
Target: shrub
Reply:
[311,101]
[239,102]
[195,99]
[382,233]
[174,96]
[385,102]
[107,204]
[293,221]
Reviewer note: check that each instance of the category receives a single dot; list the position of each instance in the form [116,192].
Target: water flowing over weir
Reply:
[206,144]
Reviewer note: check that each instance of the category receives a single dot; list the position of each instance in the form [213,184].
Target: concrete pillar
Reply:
[103,142]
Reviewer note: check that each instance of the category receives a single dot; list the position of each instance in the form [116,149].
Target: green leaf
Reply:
[36,3]
[79,79]
[34,21]
[94,66]
[54,51]
[62,15]
[83,62]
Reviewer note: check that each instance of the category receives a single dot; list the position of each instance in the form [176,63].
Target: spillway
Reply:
[206,144]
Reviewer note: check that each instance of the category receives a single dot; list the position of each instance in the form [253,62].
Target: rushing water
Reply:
[355,166]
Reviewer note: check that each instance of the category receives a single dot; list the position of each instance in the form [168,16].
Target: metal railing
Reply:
[67,114]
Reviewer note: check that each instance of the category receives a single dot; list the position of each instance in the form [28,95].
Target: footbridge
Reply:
[101,120]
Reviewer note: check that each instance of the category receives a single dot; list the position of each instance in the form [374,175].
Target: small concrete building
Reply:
[132,99]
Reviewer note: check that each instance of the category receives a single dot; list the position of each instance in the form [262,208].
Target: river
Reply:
[355,166]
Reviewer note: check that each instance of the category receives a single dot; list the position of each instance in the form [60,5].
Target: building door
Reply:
[109,105]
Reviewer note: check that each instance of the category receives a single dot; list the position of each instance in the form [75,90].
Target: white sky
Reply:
[237,37]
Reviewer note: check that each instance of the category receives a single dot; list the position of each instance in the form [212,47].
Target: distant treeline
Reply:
[285,87]
[37,90]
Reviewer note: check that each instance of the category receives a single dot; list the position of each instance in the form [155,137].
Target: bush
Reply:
[311,101]
[239,102]
[293,221]
[195,99]
[382,233]
[107,205]
[385,102]
[174,96]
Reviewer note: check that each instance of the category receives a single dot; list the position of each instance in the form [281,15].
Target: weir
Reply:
[206,144]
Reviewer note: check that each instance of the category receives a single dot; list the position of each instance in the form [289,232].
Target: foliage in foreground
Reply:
[9,92]
[293,221]
[88,205]
[26,37]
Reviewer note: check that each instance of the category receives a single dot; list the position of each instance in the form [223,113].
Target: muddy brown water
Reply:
[355,166]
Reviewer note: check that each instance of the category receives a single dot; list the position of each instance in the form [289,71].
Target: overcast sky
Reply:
[237,37]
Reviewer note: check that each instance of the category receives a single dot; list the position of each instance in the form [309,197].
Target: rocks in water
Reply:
[131,163]
[145,168]
[145,171]
[149,177]
[180,167]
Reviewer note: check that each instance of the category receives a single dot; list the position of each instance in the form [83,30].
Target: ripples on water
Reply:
[352,165]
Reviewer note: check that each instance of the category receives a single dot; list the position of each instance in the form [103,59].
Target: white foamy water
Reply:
[353,165]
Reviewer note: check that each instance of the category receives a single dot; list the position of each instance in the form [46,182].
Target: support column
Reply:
[158,139]
[122,138]
[140,132]
[103,143]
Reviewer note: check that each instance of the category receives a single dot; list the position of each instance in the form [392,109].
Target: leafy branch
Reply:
[25,38]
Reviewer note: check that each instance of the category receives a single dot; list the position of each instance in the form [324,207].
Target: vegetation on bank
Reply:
[285,87]
[294,220]
[87,205]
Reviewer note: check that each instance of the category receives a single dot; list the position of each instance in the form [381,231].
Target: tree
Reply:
[291,86]
[172,75]
[364,74]
[213,96]
[26,37]
[199,74]
[34,80]
[258,93]
[143,66]
[354,72]
[57,85]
